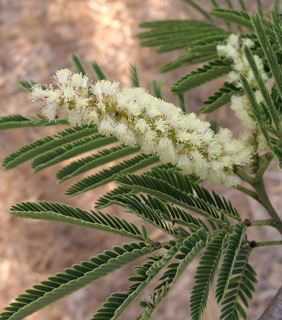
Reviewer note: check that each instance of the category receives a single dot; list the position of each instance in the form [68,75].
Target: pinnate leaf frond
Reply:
[18,121]
[219,98]
[189,249]
[53,211]
[108,175]
[241,18]
[62,284]
[70,150]
[240,288]
[205,275]
[48,143]
[167,192]
[146,212]
[229,258]
[90,162]
[214,69]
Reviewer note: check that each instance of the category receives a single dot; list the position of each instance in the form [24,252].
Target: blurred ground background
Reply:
[37,38]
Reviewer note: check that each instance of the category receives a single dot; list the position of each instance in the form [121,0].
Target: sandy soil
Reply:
[37,38]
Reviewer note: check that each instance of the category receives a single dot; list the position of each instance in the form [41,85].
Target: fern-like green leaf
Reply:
[157,88]
[118,302]
[78,65]
[188,59]
[264,89]
[54,211]
[24,85]
[109,198]
[90,162]
[163,190]
[268,50]
[278,153]
[70,150]
[173,214]
[108,175]
[40,146]
[134,77]
[100,75]
[207,45]
[169,27]
[221,97]
[241,18]
[73,279]
[242,5]
[240,287]
[18,121]
[182,103]
[189,249]
[175,34]
[257,109]
[146,212]
[194,5]
[205,275]
[209,72]
[277,26]
[229,258]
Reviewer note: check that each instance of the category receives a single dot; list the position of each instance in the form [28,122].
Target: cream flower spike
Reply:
[136,117]
[240,104]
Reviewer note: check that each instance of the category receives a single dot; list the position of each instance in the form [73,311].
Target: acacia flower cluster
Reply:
[240,104]
[137,118]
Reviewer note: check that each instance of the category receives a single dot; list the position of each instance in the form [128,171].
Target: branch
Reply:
[274,310]
[255,244]
[256,223]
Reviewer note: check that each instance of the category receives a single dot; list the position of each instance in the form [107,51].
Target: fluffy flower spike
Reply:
[240,104]
[136,117]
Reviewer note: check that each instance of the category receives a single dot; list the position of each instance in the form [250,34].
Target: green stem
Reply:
[244,176]
[258,223]
[249,192]
[265,161]
[264,200]
[268,243]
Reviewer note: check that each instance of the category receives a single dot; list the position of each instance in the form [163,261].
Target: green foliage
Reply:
[79,67]
[162,196]
[198,8]
[38,147]
[90,162]
[211,71]
[62,284]
[54,211]
[108,175]
[134,77]
[204,204]
[189,249]
[176,34]
[239,17]
[240,287]
[98,71]
[268,50]
[263,89]
[278,153]
[117,302]
[70,150]
[157,88]
[186,60]
[221,97]
[229,258]
[205,275]
[18,121]
[109,198]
